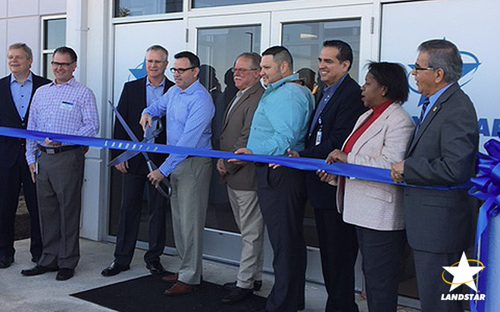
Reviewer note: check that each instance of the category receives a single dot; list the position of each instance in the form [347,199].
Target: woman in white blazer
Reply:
[378,139]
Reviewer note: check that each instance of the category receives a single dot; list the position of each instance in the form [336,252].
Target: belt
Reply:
[59,149]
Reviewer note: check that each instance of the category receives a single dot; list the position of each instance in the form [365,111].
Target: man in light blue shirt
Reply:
[280,123]
[189,111]
[16,90]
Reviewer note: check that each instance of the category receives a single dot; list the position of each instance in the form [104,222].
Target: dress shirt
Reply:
[153,93]
[376,112]
[189,117]
[67,108]
[433,98]
[238,97]
[327,94]
[21,93]
[280,121]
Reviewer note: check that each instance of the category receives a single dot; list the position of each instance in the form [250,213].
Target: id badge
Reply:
[66,105]
[318,136]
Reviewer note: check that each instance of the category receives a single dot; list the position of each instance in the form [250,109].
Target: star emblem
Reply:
[463,273]
[139,71]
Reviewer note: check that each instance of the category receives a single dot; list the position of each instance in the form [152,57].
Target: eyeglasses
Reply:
[242,70]
[417,68]
[57,64]
[180,70]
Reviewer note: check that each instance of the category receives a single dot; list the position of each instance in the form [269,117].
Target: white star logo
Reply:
[463,273]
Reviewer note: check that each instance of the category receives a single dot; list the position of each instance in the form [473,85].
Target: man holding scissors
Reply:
[136,96]
[189,110]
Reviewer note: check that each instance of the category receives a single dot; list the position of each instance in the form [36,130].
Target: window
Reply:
[125,8]
[212,3]
[53,36]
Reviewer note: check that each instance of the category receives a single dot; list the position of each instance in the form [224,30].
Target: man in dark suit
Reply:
[439,224]
[334,117]
[240,179]
[16,91]
[135,97]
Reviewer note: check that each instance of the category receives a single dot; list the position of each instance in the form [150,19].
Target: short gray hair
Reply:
[158,47]
[445,55]
[254,57]
[24,46]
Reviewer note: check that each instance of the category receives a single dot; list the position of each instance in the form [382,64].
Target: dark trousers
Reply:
[282,198]
[10,185]
[429,269]
[382,253]
[338,248]
[59,189]
[130,219]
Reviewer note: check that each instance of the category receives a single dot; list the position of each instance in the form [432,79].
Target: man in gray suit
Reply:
[439,224]
[240,179]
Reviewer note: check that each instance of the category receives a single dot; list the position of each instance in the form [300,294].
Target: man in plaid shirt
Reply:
[67,107]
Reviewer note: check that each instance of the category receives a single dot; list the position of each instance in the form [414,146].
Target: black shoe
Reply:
[236,295]
[5,262]
[155,268]
[38,270]
[65,274]
[114,268]
[301,306]
[257,285]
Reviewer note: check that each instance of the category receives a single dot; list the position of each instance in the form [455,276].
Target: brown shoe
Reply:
[171,278]
[180,288]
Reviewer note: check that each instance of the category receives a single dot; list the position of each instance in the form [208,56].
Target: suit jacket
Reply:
[442,153]
[338,118]
[132,103]
[373,205]
[235,131]
[9,117]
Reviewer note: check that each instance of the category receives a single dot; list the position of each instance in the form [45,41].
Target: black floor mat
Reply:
[146,294]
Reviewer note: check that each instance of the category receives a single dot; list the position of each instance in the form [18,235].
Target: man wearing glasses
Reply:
[240,179]
[67,107]
[189,110]
[439,224]
[135,97]
[17,90]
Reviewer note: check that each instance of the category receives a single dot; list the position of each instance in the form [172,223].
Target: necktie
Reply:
[422,113]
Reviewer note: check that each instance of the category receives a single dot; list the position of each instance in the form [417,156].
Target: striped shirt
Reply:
[68,108]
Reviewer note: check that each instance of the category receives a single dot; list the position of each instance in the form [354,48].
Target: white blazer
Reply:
[374,205]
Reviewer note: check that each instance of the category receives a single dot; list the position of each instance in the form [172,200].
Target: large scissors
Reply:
[164,187]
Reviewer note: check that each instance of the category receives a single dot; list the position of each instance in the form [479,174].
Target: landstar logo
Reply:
[139,71]
[463,273]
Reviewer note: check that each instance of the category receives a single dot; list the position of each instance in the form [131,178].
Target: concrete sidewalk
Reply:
[44,294]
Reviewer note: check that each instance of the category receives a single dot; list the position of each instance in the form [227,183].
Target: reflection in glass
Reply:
[125,8]
[305,39]
[217,50]
[54,33]
[212,3]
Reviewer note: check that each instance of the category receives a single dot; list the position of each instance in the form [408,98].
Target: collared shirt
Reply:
[238,97]
[433,98]
[280,121]
[189,117]
[328,92]
[153,93]
[21,93]
[67,108]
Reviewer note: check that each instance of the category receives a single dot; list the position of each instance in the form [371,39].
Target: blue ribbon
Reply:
[311,164]
[487,188]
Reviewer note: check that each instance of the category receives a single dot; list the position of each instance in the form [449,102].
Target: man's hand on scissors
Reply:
[122,167]
[156,177]
[146,120]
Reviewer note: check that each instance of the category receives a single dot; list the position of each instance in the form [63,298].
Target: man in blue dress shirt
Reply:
[189,111]
[281,122]
[16,91]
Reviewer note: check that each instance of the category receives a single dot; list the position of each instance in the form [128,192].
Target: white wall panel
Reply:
[16,32]
[22,8]
[3,48]
[48,7]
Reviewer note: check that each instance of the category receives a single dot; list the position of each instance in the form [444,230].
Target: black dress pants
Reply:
[130,219]
[11,179]
[338,248]
[282,198]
